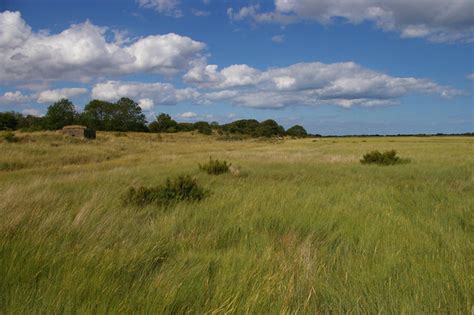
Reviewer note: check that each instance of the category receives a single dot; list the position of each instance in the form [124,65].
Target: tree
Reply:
[297,131]
[8,121]
[60,114]
[269,128]
[128,116]
[203,127]
[163,123]
[98,115]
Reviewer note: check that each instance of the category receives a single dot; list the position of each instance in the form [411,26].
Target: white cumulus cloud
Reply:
[435,20]
[158,93]
[14,98]
[344,84]
[82,52]
[167,7]
[50,96]
[188,115]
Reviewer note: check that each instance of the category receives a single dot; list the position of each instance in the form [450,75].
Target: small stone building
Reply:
[79,132]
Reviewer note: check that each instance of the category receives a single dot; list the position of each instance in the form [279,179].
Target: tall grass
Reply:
[309,230]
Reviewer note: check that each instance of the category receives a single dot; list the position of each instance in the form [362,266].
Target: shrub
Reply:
[10,137]
[385,158]
[215,167]
[182,188]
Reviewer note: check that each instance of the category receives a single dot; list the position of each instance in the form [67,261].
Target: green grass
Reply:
[307,230]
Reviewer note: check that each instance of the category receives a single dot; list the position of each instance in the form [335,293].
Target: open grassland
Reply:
[304,227]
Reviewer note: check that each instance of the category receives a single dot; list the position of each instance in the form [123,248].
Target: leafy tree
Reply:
[98,115]
[203,127]
[185,126]
[269,128]
[163,123]
[128,116]
[60,114]
[8,121]
[31,123]
[297,131]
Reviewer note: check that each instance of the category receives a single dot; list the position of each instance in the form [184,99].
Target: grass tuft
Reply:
[181,188]
[215,167]
[385,158]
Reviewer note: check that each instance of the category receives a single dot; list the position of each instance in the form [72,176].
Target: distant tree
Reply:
[98,115]
[31,122]
[128,116]
[185,126]
[203,127]
[60,114]
[8,121]
[163,123]
[269,128]
[243,126]
[297,131]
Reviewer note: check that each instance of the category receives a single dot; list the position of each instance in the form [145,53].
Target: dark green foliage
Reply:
[184,126]
[203,127]
[297,131]
[8,121]
[269,128]
[10,137]
[215,167]
[243,126]
[98,115]
[182,188]
[124,115]
[385,158]
[60,114]
[163,123]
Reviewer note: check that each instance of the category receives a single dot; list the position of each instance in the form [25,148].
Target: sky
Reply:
[336,67]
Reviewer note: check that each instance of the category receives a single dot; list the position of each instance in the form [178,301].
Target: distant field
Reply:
[304,228]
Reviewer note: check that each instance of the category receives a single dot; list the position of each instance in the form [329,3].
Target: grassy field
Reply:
[304,227]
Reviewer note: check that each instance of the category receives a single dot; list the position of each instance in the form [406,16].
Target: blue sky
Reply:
[382,67]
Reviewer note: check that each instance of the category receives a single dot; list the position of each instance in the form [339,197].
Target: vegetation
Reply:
[215,167]
[385,158]
[297,131]
[308,230]
[182,188]
[10,137]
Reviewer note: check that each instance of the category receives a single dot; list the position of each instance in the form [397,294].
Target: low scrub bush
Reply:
[10,137]
[182,188]
[215,167]
[383,158]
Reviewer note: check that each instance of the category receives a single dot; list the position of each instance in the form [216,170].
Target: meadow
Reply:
[304,227]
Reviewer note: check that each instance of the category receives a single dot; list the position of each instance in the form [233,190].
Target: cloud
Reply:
[167,7]
[156,93]
[278,38]
[200,12]
[50,96]
[344,84]
[82,52]
[188,115]
[435,20]
[470,76]
[14,98]
[146,104]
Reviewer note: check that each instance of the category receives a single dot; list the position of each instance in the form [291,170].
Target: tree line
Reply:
[126,115]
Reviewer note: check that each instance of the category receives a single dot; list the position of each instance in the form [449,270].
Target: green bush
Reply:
[182,188]
[10,137]
[215,167]
[385,158]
